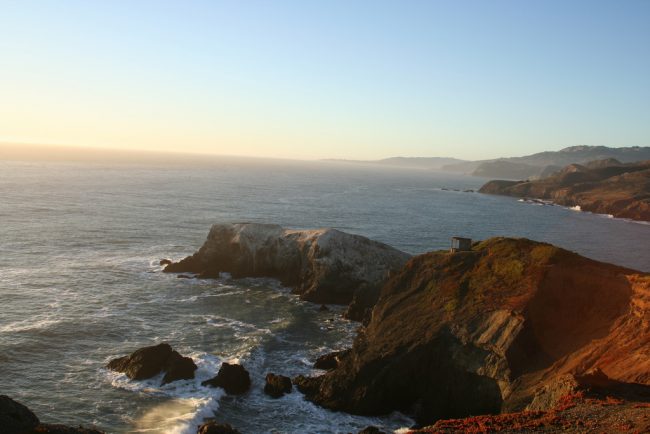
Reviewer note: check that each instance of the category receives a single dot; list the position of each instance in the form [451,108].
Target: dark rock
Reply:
[277,385]
[371,430]
[148,362]
[307,385]
[165,262]
[233,378]
[330,360]
[324,266]
[323,308]
[178,367]
[213,427]
[183,276]
[15,418]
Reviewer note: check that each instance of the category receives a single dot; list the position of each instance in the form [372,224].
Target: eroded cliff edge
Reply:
[482,331]
[322,265]
[604,187]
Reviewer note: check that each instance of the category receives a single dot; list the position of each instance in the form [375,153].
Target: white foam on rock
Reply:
[191,402]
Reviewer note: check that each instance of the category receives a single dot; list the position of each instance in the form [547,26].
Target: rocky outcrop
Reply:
[604,187]
[213,427]
[324,265]
[330,360]
[277,385]
[233,378]
[480,331]
[15,418]
[148,362]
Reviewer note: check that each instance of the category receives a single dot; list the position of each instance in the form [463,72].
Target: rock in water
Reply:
[148,362]
[216,428]
[178,367]
[15,418]
[277,385]
[324,266]
[330,360]
[479,332]
[233,378]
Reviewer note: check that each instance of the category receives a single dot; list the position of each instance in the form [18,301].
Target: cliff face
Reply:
[478,332]
[622,190]
[322,265]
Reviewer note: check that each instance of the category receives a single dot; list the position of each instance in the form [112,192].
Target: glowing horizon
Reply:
[368,80]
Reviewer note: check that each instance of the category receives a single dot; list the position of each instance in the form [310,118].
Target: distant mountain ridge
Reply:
[545,163]
[534,166]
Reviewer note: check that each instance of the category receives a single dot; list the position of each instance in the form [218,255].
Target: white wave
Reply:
[575,208]
[28,324]
[191,402]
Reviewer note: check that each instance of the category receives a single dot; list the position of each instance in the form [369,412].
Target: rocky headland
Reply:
[485,331]
[324,266]
[604,187]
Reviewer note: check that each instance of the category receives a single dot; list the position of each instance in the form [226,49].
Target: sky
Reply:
[331,79]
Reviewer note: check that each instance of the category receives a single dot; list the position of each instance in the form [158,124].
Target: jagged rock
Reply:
[324,266]
[233,378]
[213,427]
[476,332]
[277,385]
[330,360]
[178,367]
[307,385]
[15,418]
[150,361]
[165,262]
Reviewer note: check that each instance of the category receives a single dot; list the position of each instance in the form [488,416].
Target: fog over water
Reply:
[80,281]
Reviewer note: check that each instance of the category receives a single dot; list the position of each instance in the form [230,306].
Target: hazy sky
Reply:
[308,79]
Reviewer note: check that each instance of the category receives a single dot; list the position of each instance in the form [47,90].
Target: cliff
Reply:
[322,265]
[479,332]
[609,187]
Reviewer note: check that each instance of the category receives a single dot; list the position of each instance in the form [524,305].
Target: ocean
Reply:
[80,282]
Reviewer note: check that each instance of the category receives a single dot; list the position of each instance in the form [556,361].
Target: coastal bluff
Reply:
[603,187]
[483,331]
[323,266]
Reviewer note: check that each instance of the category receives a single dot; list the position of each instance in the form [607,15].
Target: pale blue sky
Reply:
[307,79]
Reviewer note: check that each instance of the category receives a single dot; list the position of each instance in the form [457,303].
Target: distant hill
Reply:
[408,162]
[542,164]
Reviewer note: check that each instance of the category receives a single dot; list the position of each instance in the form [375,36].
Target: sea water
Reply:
[80,282]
